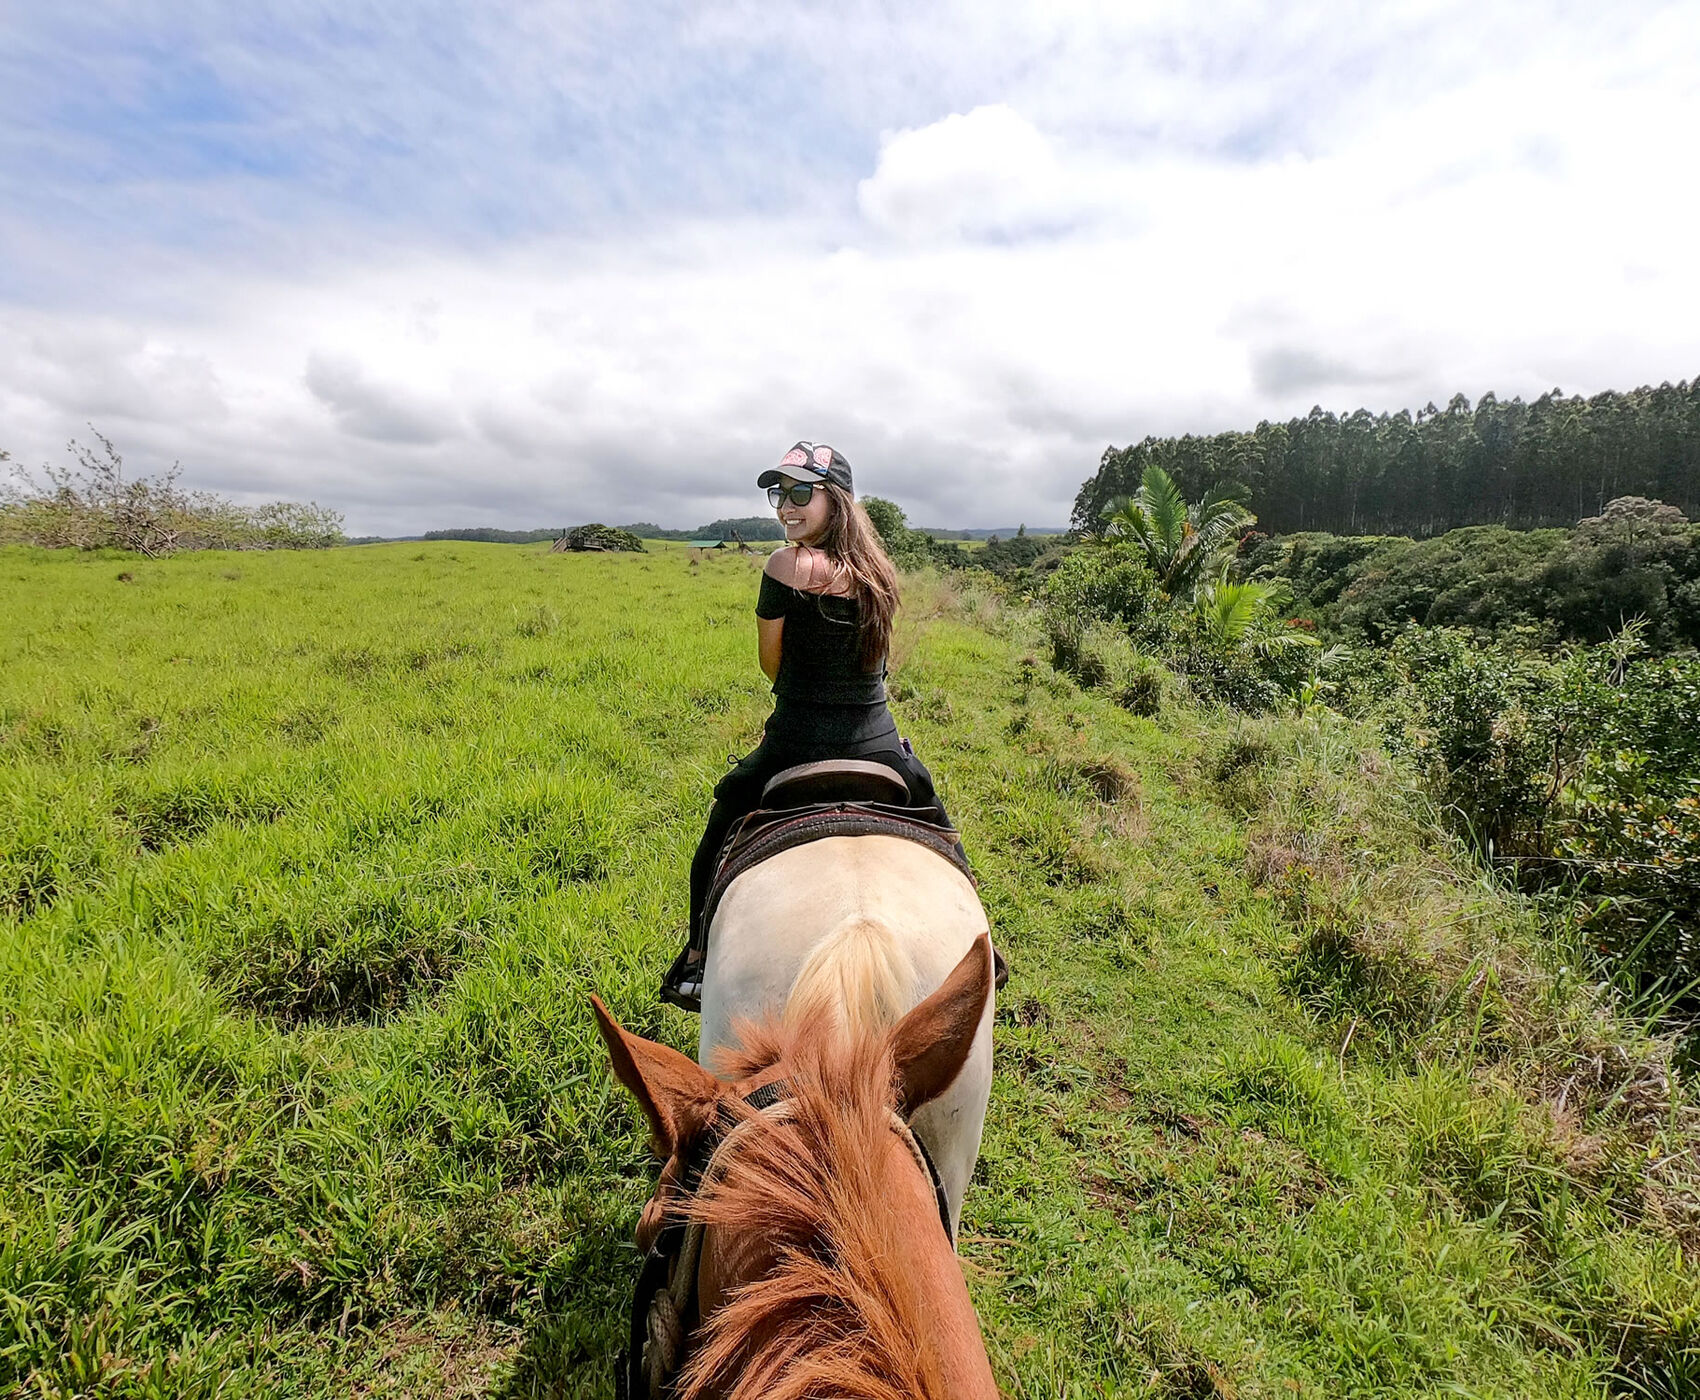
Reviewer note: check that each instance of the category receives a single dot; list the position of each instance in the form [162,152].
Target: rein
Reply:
[666,1286]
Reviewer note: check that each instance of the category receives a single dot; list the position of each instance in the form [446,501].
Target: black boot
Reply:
[682,986]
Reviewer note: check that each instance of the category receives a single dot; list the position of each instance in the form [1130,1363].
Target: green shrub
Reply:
[1637,559]
[909,549]
[95,506]
[1583,771]
[1110,583]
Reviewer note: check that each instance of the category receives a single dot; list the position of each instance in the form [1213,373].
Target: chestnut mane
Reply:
[839,1315]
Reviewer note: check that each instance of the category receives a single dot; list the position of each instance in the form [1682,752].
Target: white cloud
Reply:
[364,408]
[1080,225]
[985,172]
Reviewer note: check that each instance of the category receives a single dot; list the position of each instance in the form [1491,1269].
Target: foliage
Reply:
[1183,543]
[1639,559]
[749,527]
[1250,615]
[300,1094]
[1252,620]
[1109,583]
[484,534]
[1581,769]
[908,548]
[600,537]
[1016,559]
[1232,641]
[1012,557]
[1543,463]
[94,506]
[743,527]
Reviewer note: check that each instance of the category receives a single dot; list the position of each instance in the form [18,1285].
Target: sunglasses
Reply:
[800,493]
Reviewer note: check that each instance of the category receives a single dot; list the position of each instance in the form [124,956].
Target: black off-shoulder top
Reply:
[820,658]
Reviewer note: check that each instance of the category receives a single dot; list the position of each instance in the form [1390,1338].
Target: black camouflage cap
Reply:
[808,459]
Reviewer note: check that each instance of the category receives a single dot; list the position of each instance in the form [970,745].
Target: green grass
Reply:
[309,863]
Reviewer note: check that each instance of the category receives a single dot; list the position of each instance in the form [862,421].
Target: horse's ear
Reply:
[930,1045]
[676,1093]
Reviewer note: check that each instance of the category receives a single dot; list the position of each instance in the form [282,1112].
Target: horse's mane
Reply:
[857,977]
[839,1315]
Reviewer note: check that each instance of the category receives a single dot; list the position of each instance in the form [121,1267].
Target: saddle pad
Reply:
[767,833]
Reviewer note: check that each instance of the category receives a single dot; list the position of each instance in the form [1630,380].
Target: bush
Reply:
[1638,558]
[1110,583]
[909,549]
[1583,771]
[1008,558]
[93,506]
[605,538]
[1230,676]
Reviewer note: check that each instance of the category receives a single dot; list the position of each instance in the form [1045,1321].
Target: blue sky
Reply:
[438,264]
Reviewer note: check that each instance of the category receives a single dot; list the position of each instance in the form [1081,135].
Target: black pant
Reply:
[739,793]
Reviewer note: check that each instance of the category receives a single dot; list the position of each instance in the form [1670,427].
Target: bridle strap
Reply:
[667,1280]
[924,1160]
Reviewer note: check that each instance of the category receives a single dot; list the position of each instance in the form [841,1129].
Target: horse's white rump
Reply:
[881,919]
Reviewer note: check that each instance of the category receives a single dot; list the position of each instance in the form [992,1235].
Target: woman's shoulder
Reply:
[799,566]
[781,566]
[806,569]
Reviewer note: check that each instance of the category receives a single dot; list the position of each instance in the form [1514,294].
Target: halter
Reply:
[667,1281]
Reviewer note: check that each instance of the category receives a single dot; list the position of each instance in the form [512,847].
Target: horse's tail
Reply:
[857,977]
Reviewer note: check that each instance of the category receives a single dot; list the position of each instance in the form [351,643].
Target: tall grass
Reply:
[309,863]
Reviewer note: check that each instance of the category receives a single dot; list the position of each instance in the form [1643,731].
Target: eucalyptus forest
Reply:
[1507,462]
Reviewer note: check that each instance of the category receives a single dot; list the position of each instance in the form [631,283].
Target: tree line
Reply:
[1507,462]
[750,527]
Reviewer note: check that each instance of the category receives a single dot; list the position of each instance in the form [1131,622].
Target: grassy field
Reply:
[309,862]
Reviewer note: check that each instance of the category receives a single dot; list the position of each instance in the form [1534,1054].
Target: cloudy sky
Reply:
[437,263]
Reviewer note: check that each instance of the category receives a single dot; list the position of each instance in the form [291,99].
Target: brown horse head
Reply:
[824,1268]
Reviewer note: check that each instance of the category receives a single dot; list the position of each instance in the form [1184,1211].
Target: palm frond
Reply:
[1164,506]
[1230,610]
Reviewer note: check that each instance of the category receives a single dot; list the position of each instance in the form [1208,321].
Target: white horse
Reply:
[863,927]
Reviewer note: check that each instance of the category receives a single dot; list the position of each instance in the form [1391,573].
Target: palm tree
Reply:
[1248,615]
[1183,543]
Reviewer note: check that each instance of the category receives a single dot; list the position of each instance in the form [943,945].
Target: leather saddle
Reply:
[835,780]
[835,797]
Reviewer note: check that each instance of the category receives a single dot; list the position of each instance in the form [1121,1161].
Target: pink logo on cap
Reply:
[823,456]
[796,457]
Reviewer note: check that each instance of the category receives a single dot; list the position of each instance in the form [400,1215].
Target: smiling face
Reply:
[804,524]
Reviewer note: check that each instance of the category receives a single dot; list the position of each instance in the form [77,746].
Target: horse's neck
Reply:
[950,1329]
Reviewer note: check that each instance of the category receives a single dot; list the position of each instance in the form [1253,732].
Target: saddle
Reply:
[836,797]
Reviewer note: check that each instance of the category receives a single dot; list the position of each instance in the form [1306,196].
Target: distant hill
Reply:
[486,535]
[746,527]
[1003,532]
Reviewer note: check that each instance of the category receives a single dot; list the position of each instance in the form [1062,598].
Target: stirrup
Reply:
[682,986]
[1000,971]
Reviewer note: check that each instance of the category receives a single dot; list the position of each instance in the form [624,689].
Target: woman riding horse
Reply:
[823,625]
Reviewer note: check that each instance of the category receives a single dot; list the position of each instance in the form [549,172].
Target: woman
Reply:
[823,626]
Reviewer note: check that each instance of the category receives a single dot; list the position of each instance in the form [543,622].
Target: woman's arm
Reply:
[769,635]
[781,568]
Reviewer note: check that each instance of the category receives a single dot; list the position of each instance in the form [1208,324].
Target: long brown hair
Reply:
[853,549]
